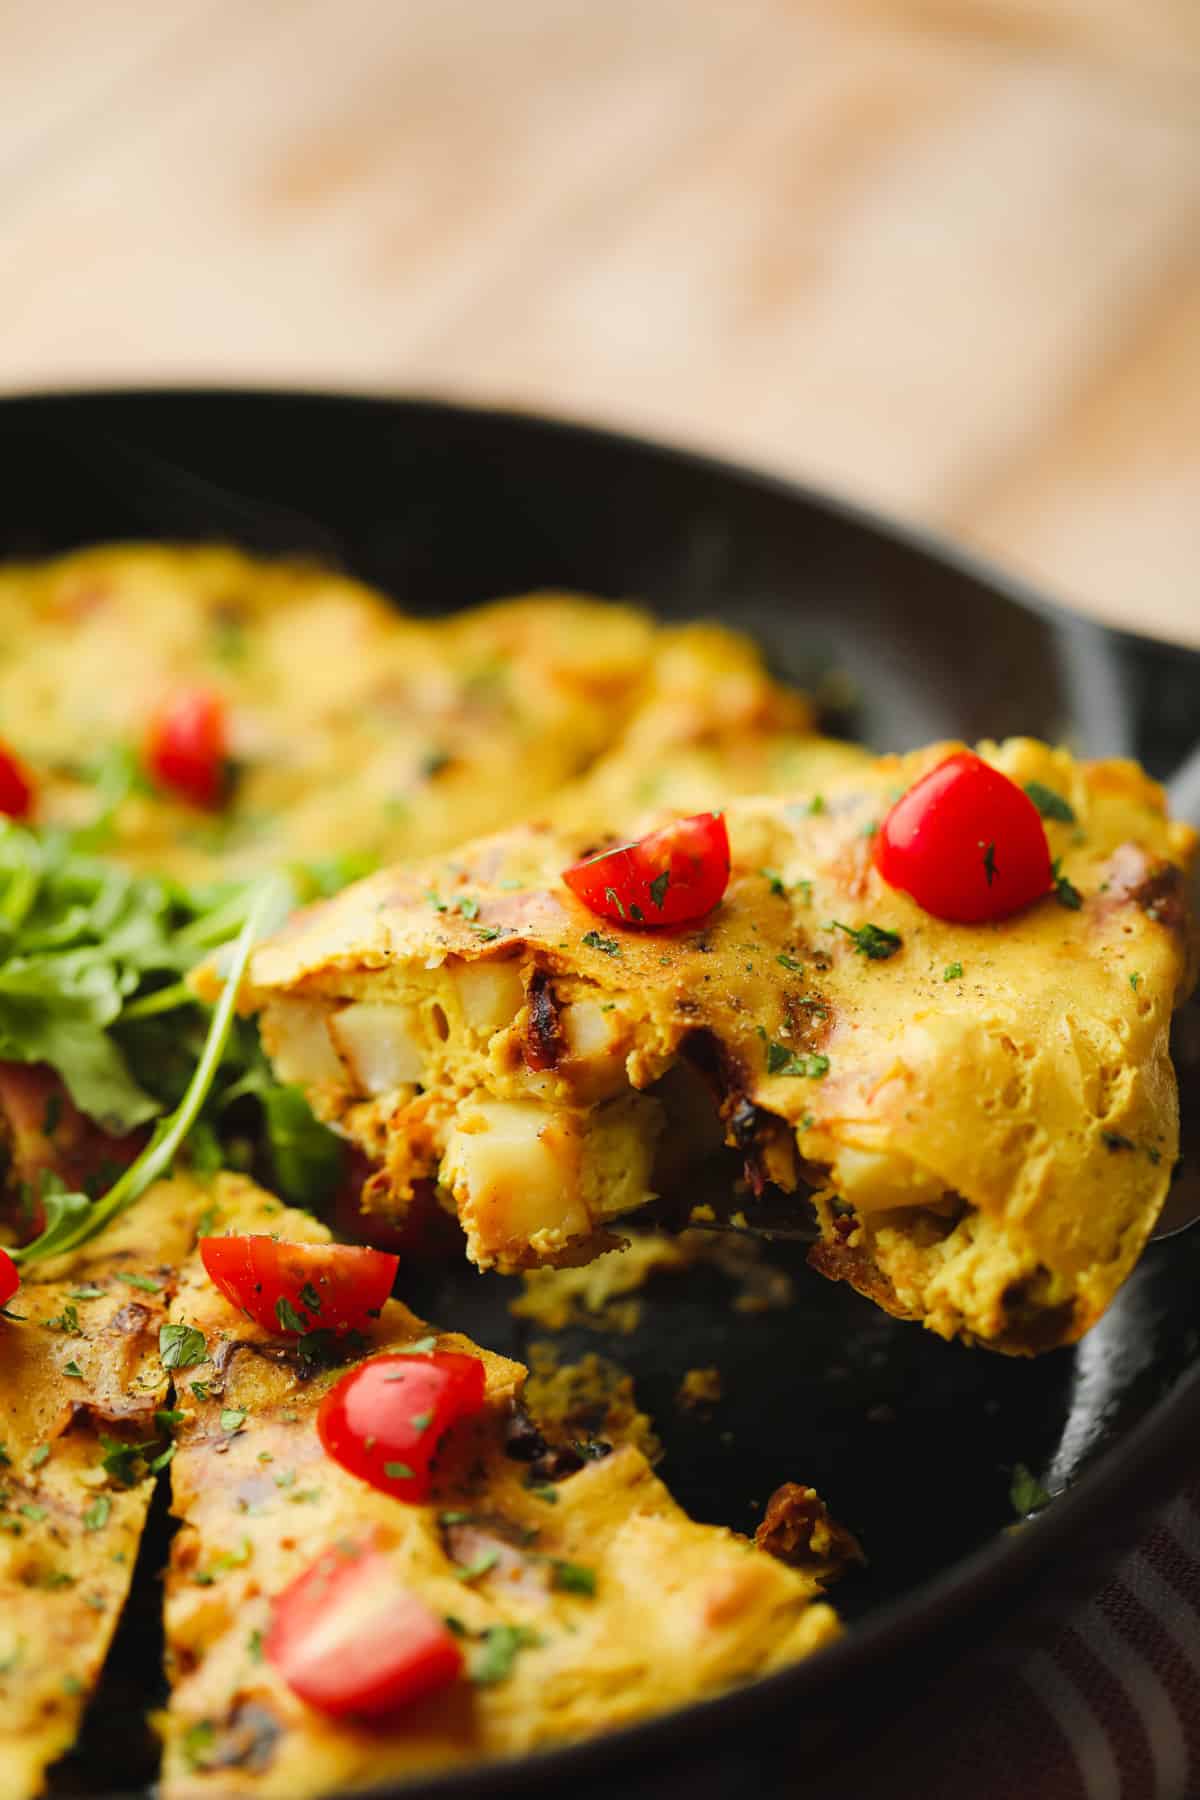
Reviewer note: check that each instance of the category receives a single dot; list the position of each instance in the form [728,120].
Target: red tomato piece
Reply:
[966,842]
[187,745]
[348,1638]
[300,1287]
[384,1420]
[10,1278]
[673,876]
[16,786]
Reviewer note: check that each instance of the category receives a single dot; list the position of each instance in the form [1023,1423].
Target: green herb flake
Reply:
[608,945]
[310,1298]
[73,1370]
[201,1390]
[1026,1492]
[1115,1140]
[989,862]
[419,1347]
[782,1061]
[67,1321]
[658,888]
[468,906]
[421,1421]
[232,1419]
[482,1563]
[86,1293]
[72,1687]
[289,1319]
[254,1646]
[542,1491]
[435,900]
[97,1515]
[1065,891]
[197,1743]
[873,941]
[1050,804]
[397,1471]
[789,962]
[39,1456]
[952,972]
[35,1514]
[140,1281]
[775,882]
[1135,981]
[500,1647]
[574,1578]
[181,1346]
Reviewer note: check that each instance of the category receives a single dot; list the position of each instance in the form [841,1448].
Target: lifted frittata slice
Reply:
[581,1594]
[81,1381]
[337,725]
[987,1118]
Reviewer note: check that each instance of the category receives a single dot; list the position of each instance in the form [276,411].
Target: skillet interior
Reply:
[911,1440]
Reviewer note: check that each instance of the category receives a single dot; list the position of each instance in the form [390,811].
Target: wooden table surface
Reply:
[941,255]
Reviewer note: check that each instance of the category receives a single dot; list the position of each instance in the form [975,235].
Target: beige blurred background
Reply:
[940,255]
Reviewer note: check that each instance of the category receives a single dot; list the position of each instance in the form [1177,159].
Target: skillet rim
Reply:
[1129,1478]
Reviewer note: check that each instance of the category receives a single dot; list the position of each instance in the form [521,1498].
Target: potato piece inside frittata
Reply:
[658,1610]
[987,1120]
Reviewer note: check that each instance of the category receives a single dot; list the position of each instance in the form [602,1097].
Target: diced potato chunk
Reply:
[490,993]
[296,1038]
[380,1044]
[513,1167]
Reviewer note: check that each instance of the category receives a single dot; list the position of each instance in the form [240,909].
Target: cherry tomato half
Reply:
[347,1638]
[187,745]
[966,842]
[671,877]
[384,1420]
[300,1287]
[16,786]
[10,1279]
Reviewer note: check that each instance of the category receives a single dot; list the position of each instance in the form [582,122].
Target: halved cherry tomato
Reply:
[10,1278]
[16,786]
[187,745]
[348,1638]
[384,1420]
[966,842]
[671,877]
[300,1287]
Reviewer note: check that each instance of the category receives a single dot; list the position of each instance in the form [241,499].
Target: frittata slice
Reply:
[350,728]
[658,1610]
[81,1380]
[987,1119]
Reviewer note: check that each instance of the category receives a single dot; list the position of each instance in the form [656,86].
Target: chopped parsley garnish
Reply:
[233,1418]
[120,1460]
[789,962]
[435,900]
[816,805]
[66,1321]
[614,899]
[197,1742]
[501,1644]
[421,1421]
[658,888]
[468,906]
[419,1347]
[35,1514]
[952,972]
[86,1293]
[1134,981]
[201,1389]
[73,1370]
[397,1471]
[487,934]
[574,1578]
[1115,1140]
[989,862]
[542,1491]
[1026,1492]
[782,1061]
[289,1319]
[774,881]
[1065,892]
[254,1646]
[874,941]
[97,1515]
[140,1281]
[181,1346]
[310,1298]
[486,1560]
[39,1455]
[594,941]
[1050,804]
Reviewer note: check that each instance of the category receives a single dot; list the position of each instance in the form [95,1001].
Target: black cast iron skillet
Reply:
[911,1440]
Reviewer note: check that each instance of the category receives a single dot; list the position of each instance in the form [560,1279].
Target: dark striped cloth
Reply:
[1101,1705]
